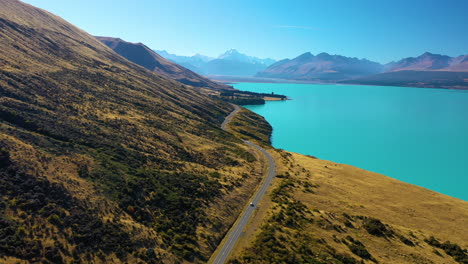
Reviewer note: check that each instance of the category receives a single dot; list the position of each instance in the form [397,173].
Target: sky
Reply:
[378,30]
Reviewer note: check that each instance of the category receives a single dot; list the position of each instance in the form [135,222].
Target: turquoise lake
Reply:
[415,135]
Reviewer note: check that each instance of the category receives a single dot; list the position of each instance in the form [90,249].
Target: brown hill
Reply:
[103,161]
[144,56]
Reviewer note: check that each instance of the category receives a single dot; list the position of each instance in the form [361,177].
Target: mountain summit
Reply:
[232,62]
[235,55]
[190,62]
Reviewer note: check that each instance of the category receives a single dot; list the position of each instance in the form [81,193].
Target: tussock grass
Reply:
[351,215]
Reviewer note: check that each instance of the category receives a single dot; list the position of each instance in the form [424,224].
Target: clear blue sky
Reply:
[380,30]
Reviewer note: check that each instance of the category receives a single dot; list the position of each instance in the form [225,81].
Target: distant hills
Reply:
[321,67]
[232,63]
[144,56]
[430,62]
[427,70]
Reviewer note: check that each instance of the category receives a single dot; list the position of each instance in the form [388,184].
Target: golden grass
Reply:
[331,190]
[71,102]
[348,189]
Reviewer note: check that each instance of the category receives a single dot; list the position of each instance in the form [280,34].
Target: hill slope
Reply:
[104,161]
[321,67]
[142,55]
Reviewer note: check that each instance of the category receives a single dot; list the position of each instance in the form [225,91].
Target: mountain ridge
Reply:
[190,62]
[323,66]
[427,70]
[231,62]
[144,56]
[430,62]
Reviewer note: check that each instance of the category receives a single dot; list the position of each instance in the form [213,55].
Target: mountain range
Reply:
[231,63]
[321,67]
[426,70]
[144,56]
[430,62]
[193,63]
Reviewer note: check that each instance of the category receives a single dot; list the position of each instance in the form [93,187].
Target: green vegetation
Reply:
[247,98]
[460,255]
[252,94]
[376,227]
[243,100]
[35,197]
[358,248]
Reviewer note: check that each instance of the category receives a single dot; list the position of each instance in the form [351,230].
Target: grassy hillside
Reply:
[104,161]
[250,126]
[324,212]
[319,211]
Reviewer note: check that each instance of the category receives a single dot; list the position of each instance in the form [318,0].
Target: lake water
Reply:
[415,135]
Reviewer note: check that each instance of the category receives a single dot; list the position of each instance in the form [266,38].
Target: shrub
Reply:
[376,227]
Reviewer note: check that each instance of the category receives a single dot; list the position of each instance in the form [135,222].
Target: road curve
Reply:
[230,116]
[244,217]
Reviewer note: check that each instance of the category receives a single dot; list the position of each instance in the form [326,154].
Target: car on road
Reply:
[252,204]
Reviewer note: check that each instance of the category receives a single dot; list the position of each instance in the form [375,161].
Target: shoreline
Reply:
[266,98]
[232,80]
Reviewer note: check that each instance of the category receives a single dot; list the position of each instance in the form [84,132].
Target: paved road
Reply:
[244,217]
[230,116]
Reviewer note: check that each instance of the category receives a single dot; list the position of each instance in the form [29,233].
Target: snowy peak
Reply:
[234,55]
